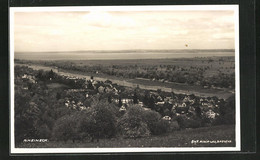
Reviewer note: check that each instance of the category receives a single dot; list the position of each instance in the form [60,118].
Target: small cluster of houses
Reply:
[187,105]
[74,105]
[29,78]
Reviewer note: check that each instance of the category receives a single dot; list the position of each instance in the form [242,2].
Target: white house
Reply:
[167,118]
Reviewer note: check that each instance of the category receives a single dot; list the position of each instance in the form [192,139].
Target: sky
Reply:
[123,30]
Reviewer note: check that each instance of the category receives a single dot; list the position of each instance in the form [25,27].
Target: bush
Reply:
[227,112]
[151,118]
[87,127]
[154,122]
[193,123]
[174,126]
[228,118]
[161,127]
[99,121]
[135,132]
[188,122]
[132,124]
[66,127]
[44,131]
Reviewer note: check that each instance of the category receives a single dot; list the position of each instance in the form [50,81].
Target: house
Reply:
[159,98]
[25,88]
[205,103]
[146,109]
[108,82]
[107,89]
[168,118]
[30,78]
[122,108]
[126,100]
[210,114]
[161,80]
[75,90]
[115,90]
[82,108]
[141,104]
[167,98]
[192,101]
[183,105]
[160,103]
[67,104]
[80,104]
[101,89]
[182,108]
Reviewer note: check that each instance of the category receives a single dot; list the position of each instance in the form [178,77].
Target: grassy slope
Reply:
[181,138]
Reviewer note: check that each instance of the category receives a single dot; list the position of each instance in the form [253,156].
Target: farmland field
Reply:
[56,86]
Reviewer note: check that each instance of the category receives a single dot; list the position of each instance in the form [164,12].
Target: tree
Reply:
[154,122]
[146,100]
[99,122]
[40,74]
[227,112]
[51,74]
[66,127]
[135,98]
[119,102]
[132,124]
[58,95]
[109,98]
[198,111]
[151,103]
[27,114]
[90,85]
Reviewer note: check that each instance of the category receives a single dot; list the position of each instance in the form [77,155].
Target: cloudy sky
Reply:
[120,30]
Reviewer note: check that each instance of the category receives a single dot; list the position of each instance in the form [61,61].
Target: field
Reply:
[223,64]
[181,138]
[122,54]
[216,64]
[56,86]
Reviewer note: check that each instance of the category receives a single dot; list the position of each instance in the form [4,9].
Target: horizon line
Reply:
[124,50]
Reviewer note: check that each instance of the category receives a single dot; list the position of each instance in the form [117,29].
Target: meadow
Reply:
[182,138]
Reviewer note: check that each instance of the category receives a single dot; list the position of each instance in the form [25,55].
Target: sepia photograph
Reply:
[105,79]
